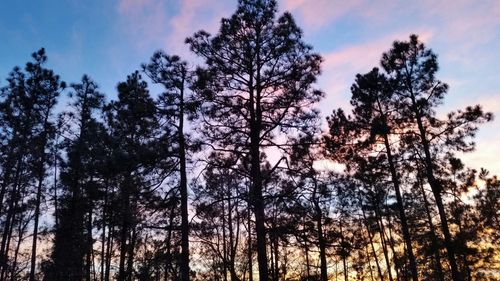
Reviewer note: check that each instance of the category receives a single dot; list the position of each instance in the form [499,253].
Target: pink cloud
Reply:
[341,66]
[317,13]
[456,20]
[160,24]
[194,15]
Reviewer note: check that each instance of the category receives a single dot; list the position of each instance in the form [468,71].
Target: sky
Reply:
[110,39]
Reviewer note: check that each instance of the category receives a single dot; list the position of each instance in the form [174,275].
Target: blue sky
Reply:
[110,39]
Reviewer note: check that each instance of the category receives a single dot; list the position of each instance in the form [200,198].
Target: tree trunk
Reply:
[392,244]
[402,215]
[109,246]
[123,252]
[184,193]
[124,231]
[224,243]
[370,237]
[130,254]
[21,231]
[434,240]
[35,228]
[104,225]
[344,253]
[168,255]
[436,190]
[250,248]
[255,170]
[90,248]
[384,245]
[232,244]
[275,246]
[308,264]
[8,220]
[321,238]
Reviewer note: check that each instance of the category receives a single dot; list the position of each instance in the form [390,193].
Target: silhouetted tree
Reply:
[411,68]
[73,237]
[257,83]
[174,106]
[26,111]
[374,123]
[133,123]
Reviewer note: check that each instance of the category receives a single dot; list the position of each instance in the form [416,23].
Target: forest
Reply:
[227,171]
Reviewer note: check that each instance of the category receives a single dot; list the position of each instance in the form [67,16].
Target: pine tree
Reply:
[373,123]
[174,106]
[26,125]
[73,239]
[133,125]
[411,68]
[257,84]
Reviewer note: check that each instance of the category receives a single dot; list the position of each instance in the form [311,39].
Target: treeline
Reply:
[227,175]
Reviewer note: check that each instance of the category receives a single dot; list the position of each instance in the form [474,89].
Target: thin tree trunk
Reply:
[392,243]
[434,240]
[183,191]
[367,253]
[9,223]
[308,265]
[130,254]
[13,270]
[384,245]
[250,248]
[224,245]
[436,190]
[8,239]
[21,231]
[275,246]
[168,255]
[321,241]
[109,246]
[124,232]
[344,254]
[104,225]
[232,246]
[56,210]
[8,220]
[402,215]
[370,237]
[35,229]
[89,247]
[103,250]
[271,258]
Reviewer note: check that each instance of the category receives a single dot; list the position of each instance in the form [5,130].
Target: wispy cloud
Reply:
[159,24]
[192,16]
[341,66]
[316,14]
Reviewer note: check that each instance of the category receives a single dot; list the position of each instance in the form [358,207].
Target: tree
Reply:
[73,240]
[27,108]
[173,74]
[411,68]
[256,86]
[219,211]
[133,125]
[374,123]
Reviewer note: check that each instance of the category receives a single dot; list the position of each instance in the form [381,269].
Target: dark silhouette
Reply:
[258,81]
[195,173]
[173,74]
